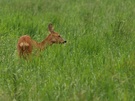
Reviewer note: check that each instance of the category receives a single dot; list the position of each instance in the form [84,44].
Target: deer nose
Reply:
[64,41]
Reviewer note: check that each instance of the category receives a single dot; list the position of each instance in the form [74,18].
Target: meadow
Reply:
[96,64]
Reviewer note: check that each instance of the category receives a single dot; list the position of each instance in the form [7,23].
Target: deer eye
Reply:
[58,35]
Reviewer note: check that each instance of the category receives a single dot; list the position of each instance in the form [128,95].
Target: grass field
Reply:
[96,64]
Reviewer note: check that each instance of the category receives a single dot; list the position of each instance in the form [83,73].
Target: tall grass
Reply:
[96,64]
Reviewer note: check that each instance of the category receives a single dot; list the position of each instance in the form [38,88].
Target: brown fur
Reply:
[26,44]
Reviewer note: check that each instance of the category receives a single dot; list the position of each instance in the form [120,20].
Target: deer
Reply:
[26,44]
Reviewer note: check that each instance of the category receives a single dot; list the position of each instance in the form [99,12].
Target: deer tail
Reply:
[24,45]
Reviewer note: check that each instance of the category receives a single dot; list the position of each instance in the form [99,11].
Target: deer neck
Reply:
[45,43]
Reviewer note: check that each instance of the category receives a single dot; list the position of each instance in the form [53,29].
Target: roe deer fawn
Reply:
[26,44]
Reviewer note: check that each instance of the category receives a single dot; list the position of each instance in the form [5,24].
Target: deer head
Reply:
[54,37]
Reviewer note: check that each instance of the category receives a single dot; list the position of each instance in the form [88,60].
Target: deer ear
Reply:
[50,28]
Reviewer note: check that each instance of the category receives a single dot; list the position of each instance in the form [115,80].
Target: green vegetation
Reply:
[96,64]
